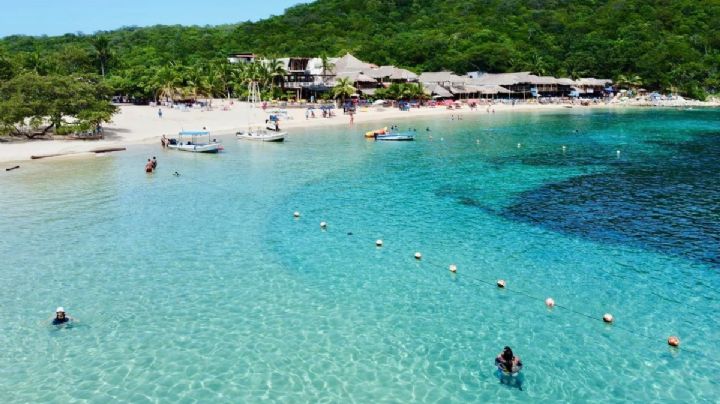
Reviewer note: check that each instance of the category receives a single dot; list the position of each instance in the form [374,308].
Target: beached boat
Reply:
[195,141]
[271,133]
[395,137]
[262,135]
[372,133]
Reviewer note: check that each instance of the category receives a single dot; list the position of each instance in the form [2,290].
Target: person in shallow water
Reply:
[507,362]
[60,317]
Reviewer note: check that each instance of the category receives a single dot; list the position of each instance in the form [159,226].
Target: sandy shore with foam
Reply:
[141,124]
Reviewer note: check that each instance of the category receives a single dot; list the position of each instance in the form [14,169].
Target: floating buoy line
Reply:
[550,303]
[672,341]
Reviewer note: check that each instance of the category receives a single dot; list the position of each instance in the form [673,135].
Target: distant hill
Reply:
[670,44]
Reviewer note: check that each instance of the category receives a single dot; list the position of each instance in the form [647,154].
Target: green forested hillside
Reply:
[669,44]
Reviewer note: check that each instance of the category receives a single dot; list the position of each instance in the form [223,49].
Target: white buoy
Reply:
[418,256]
[618,153]
[550,302]
[453,268]
[519,145]
[501,283]
[323,225]
[564,148]
[379,243]
[296,214]
[477,141]
[608,318]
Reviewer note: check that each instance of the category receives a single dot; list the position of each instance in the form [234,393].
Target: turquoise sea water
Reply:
[204,288]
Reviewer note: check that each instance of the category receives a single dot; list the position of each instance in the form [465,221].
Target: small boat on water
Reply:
[395,137]
[372,133]
[196,142]
[262,135]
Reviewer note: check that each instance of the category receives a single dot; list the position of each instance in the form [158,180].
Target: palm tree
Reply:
[237,78]
[277,72]
[102,51]
[343,88]
[196,82]
[415,91]
[537,65]
[36,62]
[167,81]
[251,75]
[629,81]
[327,66]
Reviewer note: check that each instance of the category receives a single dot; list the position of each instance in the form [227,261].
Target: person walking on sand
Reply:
[352,118]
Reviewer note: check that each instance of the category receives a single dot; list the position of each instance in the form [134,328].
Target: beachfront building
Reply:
[447,85]
[241,58]
[516,85]
[307,77]
[526,85]
[592,88]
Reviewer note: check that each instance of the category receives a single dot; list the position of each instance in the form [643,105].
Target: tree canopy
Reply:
[667,45]
[66,103]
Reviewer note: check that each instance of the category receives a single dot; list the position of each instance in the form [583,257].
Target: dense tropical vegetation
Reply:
[657,44]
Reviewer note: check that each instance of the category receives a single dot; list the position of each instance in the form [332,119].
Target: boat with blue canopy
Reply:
[195,141]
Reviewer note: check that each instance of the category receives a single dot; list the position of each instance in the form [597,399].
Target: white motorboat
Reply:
[258,134]
[262,135]
[196,142]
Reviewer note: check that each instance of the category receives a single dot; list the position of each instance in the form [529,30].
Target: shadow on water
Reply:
[510,381]
[667,204]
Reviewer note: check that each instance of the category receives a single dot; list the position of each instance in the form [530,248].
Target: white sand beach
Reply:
[141,124]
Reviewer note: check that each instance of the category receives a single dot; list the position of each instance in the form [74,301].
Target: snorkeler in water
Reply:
[61,317]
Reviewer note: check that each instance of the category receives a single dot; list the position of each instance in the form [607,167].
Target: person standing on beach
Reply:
[352,118]
[160,113]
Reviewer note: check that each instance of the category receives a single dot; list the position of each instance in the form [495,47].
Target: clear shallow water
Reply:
[203,287]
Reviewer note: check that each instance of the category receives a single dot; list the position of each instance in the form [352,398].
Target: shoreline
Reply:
[140,125]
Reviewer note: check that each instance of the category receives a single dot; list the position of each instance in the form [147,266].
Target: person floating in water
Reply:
[508,368]
[507,362]
[61,317]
